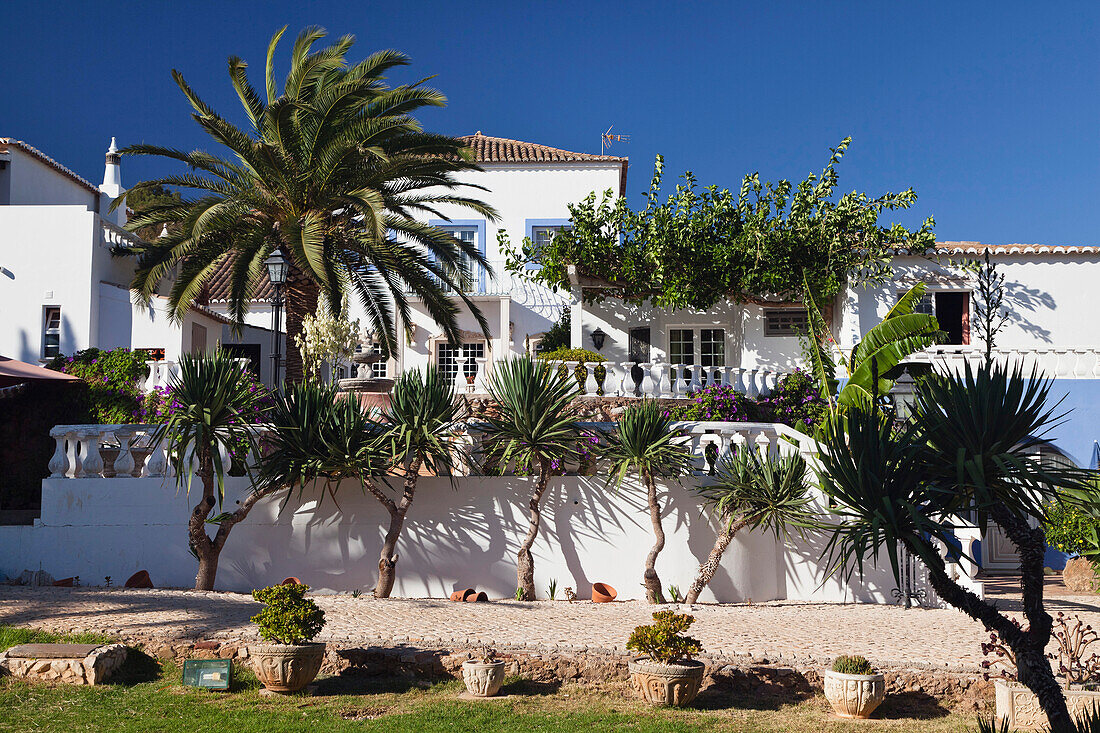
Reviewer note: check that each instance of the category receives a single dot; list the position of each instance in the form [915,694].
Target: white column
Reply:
[59,464]
[627,387]
[661,374]
[646,387]
[590,384]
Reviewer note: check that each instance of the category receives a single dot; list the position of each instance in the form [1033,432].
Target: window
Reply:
[464,280]
[378,368]
[541,236]
[785,321]
[51,332]
[681,346]
[952,311]
[712,347]
[447,358]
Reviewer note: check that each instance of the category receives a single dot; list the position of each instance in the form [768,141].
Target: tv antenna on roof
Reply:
[607,138]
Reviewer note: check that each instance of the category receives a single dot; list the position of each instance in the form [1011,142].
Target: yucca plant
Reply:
[645,441]
[969,448]
[420,424]
[533,430]
[216,402]
[334,170]
[751,490]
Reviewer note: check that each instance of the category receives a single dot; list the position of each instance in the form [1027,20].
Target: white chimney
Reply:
[111,188]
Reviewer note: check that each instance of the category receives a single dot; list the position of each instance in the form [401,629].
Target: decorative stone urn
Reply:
[854,695]
[1020,707]
[483,679]
[675,683]
[286,667]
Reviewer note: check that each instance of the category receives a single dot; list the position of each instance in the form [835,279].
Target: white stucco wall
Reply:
[30,181]
[454,537]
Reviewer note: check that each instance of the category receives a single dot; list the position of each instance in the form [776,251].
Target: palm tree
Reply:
[645,441]
[216,403]
[753,491]
[968,448]
[420,421]
[534,431]
[330,171]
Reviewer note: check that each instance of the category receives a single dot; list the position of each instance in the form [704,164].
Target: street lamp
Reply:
[276,272]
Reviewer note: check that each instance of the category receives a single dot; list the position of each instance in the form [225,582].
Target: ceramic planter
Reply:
[674,684]
[603,593]
[1020,708]
[854,695]
[483,680]
[286,667]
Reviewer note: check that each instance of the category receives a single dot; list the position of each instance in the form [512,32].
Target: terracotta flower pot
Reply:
[64,583]
[481,597]
[483,680]
[603,593]
[675,683]
[462,595]
[854,695]
[286,667]
[291,581]
[140,579]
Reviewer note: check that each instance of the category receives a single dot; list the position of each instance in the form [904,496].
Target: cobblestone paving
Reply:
[792,631]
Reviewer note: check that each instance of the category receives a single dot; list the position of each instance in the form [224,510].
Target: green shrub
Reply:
[663,640]
[852,665]
[795,402]
[1068,528]
[722,403]
[584,356]
[112,378]
[288,617]
[558,336]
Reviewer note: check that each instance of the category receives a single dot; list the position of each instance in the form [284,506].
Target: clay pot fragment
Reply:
[291,581]
[64,583]
[603,593]
[462,595]
[140,579]
[481,597]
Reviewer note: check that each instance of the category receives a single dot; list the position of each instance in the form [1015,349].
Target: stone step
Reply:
[52,651]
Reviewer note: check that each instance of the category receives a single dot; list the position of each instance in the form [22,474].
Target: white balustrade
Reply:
[627,387]
[480,377]
[661,378]
[1061,362]
[591,386]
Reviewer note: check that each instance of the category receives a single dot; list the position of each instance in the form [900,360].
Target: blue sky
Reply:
[988,110]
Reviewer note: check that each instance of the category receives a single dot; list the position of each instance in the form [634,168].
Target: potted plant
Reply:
[853,687]
[290,621]
[666,674]
[485,675]
[1017,706]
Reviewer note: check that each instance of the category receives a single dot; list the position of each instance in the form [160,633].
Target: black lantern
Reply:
[276,272]
[276,268]
[598,337]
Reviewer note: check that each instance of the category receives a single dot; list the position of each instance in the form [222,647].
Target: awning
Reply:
[13,371]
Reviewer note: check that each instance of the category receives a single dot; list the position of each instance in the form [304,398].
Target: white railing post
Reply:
[156,463]
[73,456]
[627,388]
[661,377]
[571,369]
[647,379]
[479,380]
[460,373]
[590,384]
[610,379]
[92,463]
[59,463]
[124,463]
[751,390]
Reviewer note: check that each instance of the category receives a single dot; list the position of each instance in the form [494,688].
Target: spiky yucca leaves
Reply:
[216,403]
[533,429]
[331,169]
[420,425]
[645,441]
[967,448]
[753,490]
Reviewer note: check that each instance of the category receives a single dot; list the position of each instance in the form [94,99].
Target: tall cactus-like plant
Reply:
[534,430]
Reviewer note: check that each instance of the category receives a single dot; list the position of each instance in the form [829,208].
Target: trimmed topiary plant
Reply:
[666,674]
[852,665]
[291,621]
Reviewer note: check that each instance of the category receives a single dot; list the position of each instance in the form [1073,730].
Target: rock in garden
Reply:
[1079,575]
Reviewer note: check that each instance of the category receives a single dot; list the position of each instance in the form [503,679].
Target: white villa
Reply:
[62,290]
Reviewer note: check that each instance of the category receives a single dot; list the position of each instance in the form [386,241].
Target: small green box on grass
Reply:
[213,674]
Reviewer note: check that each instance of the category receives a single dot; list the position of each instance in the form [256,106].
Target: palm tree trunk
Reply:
[301,300]
[525,562]
[653,592]
[387,561]
[196,526]
[714,559]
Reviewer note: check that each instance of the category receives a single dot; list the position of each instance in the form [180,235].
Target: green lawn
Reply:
[148,696]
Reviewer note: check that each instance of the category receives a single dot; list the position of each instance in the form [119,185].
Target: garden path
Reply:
[783,630]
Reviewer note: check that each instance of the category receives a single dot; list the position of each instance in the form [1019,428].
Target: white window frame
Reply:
[697,342]
[471,349]
[470,285]
[536,229]
[51,330]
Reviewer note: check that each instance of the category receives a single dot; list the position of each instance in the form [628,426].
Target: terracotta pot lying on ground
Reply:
[461,595]
[481,597]
[140,579]
[291,581]
[603,593]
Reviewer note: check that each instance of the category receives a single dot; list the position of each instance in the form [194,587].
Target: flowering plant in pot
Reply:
[484,676]
[853,687]
[666,674]
[291,621]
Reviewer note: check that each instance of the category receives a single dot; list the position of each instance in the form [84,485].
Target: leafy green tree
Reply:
[214,406]
[702,246]
[144,199]
[646,442]
[533,430]
[751,491]
[420,423]
[874,363]
[331,171]
[968,448]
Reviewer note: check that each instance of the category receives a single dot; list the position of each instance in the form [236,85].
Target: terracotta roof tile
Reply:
[489,149]
[972,248]
[6,142]
[217,287]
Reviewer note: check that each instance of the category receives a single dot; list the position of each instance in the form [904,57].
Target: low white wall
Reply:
[454,538]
